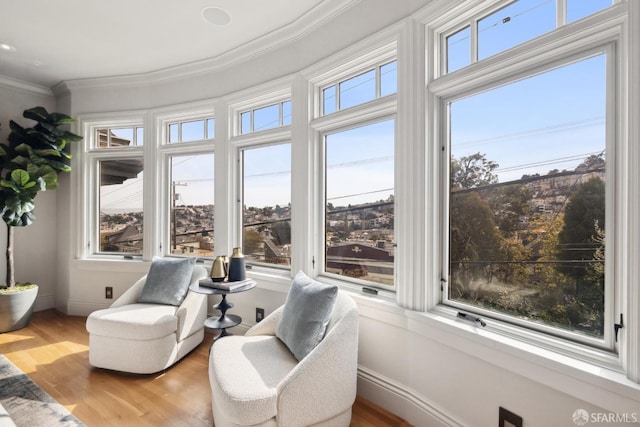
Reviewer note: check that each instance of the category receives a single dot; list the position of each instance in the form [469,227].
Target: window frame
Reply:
[470,17]
[241,148]
[255,98]
[164,151]
[373,61]
[595,33]
[89,240]
[378,112]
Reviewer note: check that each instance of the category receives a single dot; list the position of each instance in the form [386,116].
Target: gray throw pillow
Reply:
[167,281]
[306,314]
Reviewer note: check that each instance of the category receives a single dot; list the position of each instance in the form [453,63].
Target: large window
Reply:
[192,205]
[115,154]
[529,181]
[359,175]
[527,198]
[120,205]
[266,219]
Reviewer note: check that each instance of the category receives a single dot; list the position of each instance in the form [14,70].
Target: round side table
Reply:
[225,320]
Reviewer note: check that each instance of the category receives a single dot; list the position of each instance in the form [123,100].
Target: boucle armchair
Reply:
[257,381]
[142,337]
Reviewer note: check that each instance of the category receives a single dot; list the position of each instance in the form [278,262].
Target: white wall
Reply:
[420,367]
[35,245]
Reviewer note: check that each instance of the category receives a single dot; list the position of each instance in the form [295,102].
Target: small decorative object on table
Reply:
[219,269]
[237,268]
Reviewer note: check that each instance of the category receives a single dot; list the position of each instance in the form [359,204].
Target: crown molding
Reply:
[12,83]
[289,33]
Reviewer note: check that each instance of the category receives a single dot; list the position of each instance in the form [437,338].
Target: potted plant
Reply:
[30,163]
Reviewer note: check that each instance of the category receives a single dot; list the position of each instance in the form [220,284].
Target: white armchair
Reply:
[256,380]
[145,338]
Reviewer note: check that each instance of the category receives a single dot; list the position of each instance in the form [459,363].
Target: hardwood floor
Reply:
[53,350]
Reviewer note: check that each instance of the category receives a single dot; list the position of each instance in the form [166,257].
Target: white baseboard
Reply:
[84,308]
[401,401]
[44,302]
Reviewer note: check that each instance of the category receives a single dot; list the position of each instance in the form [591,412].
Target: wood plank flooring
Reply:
[53,350]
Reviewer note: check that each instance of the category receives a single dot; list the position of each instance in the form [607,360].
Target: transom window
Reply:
[119,137]
[374,83]
[264,118]
[192,130]
[514,24]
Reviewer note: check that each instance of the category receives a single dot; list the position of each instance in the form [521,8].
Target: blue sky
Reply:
[544,119]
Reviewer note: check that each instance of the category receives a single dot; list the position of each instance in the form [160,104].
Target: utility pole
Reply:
[174,197]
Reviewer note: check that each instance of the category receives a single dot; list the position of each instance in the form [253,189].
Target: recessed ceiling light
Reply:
[7,47]
[216,16]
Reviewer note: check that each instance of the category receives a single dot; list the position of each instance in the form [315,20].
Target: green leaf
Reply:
[20,177]
[8,184]
[47,152]
[59,119]
[39,114]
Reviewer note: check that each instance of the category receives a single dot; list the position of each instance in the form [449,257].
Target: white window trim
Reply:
[613,25]
[86,157]
[271,93]
[274,92]
[607,343]
[273,139]
[162,152]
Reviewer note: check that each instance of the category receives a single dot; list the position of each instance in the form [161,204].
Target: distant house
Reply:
[128,239]
[346,257]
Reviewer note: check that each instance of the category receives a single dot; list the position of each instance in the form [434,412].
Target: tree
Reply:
[509,203]
[585,208]
[581,247]
[252,241]
[474,239]
[473,171]
[281,232]
[592,162]
[30,164]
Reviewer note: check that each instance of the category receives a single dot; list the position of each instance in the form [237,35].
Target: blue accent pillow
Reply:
[306,314]
[167,281]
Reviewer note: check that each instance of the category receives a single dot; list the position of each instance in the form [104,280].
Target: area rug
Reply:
[26,403]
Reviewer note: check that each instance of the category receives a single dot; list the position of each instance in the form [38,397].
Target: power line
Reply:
[588,122]
[360,194]
[502,21]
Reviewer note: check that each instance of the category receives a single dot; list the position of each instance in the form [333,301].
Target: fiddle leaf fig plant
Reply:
[30,163]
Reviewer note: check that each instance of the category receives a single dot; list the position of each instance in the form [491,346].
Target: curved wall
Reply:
[410,363]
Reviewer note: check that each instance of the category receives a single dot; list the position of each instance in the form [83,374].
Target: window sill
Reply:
[272,279]
[135,265]
[603,386]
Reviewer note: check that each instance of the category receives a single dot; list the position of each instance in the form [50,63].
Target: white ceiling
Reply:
[65,40]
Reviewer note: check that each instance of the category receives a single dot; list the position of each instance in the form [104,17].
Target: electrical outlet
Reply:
[259,314]
[108,292]
[507,418]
